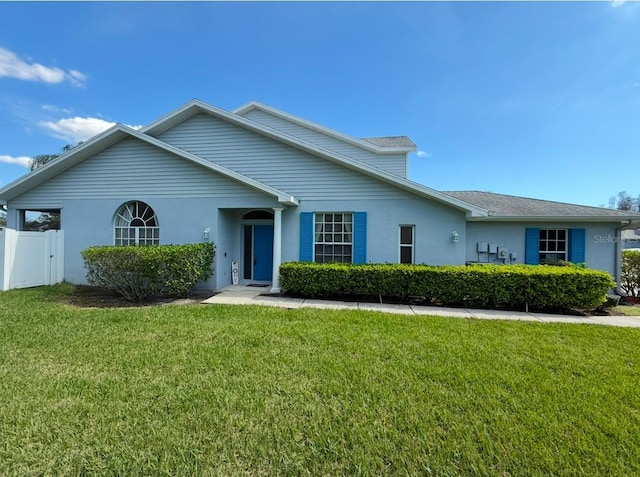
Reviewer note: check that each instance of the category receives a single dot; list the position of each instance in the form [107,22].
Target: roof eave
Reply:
[551,218]
[176,116]
[323,129]
[197,105]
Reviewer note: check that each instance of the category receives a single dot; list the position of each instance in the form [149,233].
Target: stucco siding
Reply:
[433,222]
[89,222]
[395,164]
[600,248]
[229,245]
[286,168]
[130,169]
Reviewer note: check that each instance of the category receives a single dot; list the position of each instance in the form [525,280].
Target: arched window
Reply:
[136,224]
[258,215]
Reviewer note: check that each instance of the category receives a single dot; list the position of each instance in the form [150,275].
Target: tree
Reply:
[40,160]
[43,159]
[45,221]
[625,201]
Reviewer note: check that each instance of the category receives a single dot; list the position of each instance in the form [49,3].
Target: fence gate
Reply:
[30,259]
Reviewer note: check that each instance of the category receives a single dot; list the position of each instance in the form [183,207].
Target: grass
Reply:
[627,310]
[223,390]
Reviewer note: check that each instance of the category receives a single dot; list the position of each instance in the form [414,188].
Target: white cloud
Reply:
[21,161]
[423,154]
[13,67]
[78,129]
[627,8]
[55,109]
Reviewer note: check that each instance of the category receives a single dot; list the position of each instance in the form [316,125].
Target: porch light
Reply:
[205,233]
[455,238]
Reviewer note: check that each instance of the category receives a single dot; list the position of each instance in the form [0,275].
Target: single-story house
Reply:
[268,187]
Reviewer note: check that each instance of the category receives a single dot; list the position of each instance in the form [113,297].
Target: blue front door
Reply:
[262,252]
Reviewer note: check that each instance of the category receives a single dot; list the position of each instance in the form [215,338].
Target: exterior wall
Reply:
[90,222]
[600,251]
[188,198]
[288,169]
[433,222]
[184,196]
[229,246]
[393,163]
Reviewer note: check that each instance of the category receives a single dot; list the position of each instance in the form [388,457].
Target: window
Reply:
[553,246]
[333,237]
[136,224]
[406,243]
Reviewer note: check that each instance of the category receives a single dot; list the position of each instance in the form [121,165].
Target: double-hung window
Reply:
[333,237]
[406,243]
[550,246]
[553,246]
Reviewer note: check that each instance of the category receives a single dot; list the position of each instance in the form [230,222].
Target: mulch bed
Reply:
[84,296]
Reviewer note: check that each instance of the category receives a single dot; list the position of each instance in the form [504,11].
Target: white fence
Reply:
[31,259]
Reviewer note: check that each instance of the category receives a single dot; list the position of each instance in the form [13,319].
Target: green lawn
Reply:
[223,390]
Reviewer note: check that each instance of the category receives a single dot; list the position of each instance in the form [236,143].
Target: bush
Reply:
[139,273]
[630,276]
[484,286]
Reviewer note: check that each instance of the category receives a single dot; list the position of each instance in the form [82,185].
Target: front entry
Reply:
[258,252]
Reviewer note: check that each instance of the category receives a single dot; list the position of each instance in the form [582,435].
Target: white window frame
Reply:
[320,232]
[544,249]
[140,212]
[409,245]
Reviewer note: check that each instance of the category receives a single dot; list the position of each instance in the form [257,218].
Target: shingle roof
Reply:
[501,205]
[390,141]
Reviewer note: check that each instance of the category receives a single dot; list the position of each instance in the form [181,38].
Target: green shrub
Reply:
[630,276]
[485,286]
[138,273]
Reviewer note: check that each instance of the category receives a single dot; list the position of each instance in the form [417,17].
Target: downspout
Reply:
[618,267]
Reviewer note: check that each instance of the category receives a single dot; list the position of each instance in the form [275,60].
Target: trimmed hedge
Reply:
[482,286]
[139,273]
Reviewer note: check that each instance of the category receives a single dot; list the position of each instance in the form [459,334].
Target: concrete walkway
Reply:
[239,295]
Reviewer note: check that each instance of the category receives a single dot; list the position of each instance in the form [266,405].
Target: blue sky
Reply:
[535,99]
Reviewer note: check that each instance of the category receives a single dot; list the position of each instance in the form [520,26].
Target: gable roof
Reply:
[112,136]
[510,207]
[383,145]
[196,106]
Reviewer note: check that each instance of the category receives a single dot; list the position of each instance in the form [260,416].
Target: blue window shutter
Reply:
[359,237]
[532,246]
[577,244]
[306,236]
